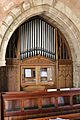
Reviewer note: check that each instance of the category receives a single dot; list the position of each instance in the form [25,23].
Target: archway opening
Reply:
[38,57]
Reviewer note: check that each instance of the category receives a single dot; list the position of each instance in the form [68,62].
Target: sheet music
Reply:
[43,74]
[28,73]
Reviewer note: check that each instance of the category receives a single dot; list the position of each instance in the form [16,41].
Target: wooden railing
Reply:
[40,104]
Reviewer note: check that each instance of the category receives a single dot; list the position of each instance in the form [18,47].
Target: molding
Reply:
[37,60]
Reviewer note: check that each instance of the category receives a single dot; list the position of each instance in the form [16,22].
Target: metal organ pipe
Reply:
[27,40]
[31,36]
[54,41]
[21,41]
[40,35]
[46,42]
[50,41]
[33,39]
[37,37]
[42,38]
[24,40]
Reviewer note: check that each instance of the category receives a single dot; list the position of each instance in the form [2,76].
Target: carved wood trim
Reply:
[37,60]
[65,62]
[65,76]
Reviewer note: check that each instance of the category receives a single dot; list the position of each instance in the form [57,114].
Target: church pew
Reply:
[41,104]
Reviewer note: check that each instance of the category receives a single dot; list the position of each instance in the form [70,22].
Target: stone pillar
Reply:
[76,74]
[2,62]
[2,58]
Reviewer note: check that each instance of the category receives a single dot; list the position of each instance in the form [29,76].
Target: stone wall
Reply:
[7,5]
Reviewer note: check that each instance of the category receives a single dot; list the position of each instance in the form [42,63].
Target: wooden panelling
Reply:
[65,76]
[12,72]
[9,78]
[37,61]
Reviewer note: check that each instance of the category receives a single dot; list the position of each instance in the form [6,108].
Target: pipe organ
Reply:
[37,37]
[43,52]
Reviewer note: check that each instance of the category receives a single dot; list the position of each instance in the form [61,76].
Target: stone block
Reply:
[8,20]
[26,5]
[45,2]
[0,40]
[16,11]
[3,29]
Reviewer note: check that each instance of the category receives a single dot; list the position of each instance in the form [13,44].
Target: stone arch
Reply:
[48,9]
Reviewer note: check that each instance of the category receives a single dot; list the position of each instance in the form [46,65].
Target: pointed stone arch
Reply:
[53,11]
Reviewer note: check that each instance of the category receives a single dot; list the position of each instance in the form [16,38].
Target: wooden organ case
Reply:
[42,56]
[38,73]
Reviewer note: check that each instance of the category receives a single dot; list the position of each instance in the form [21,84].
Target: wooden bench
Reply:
[41,104]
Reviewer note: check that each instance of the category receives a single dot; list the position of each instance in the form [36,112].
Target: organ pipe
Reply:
[54,41]
[40,35]
[37,37]
[33,37]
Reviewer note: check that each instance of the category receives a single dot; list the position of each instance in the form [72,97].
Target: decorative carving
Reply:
[65,75]
[37,60]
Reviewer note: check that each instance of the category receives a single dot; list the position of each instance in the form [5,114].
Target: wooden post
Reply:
[60,47]
[1,107]
[56,102]
[37,75]
[71,100]
[40,103]
[22,104]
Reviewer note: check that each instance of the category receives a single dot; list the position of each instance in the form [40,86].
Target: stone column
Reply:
[76,74]
[2,62]
[2,57]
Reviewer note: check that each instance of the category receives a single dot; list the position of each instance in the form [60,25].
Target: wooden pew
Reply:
[41,104]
